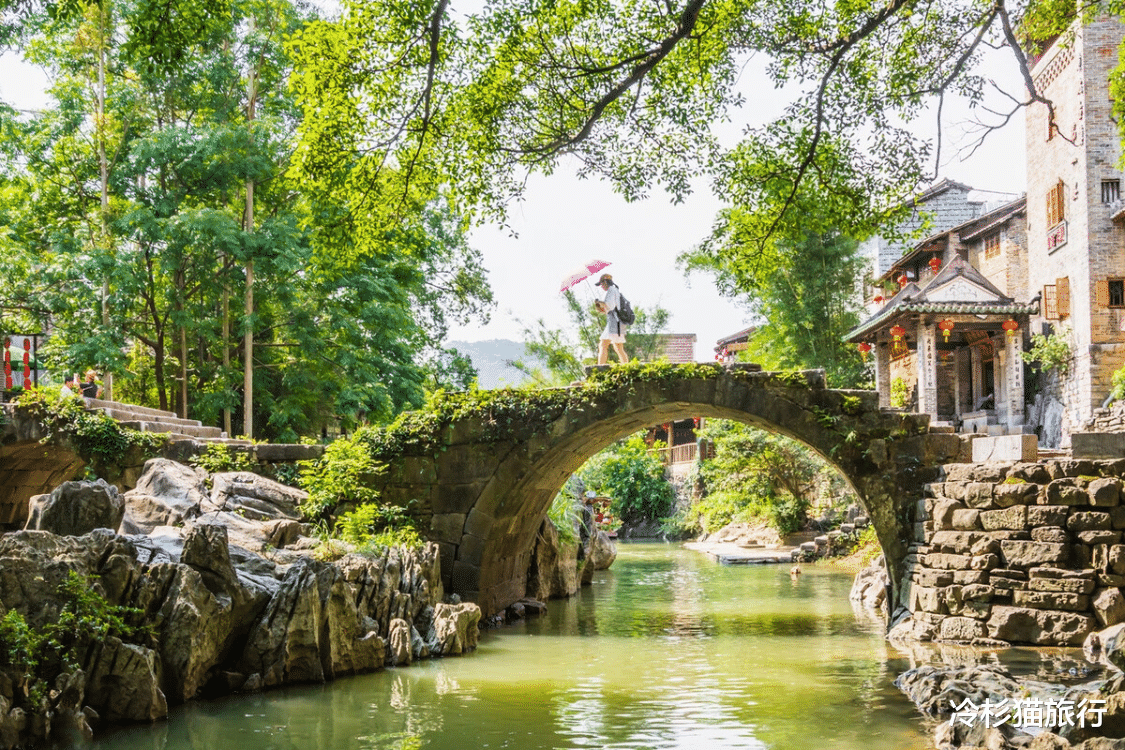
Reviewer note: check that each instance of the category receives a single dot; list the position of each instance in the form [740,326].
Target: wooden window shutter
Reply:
[1062,293]
[1050,302]
[1101,293]
[1056,204]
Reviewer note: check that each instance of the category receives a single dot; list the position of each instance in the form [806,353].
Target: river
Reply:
[667,649]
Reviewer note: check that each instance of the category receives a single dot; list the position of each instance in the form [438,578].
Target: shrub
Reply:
[900,394]
[344,474]
[41,655]
[218,457]
[633,478]
[1049,352]
[565,514]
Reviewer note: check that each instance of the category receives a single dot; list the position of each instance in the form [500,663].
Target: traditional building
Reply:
[949,339]
[939,207]
[728,347]
[1076,254]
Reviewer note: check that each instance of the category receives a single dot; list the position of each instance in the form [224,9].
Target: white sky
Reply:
[564,221]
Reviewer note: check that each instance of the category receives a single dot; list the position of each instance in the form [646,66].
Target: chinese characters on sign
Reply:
[1056,237]
[1030,712]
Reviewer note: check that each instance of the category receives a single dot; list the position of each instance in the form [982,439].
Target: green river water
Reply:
[667,649]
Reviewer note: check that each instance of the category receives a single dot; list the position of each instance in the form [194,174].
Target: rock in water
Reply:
[456,627]
[400,652]
[602,551]
[77,508]
[869,590]
[553,571]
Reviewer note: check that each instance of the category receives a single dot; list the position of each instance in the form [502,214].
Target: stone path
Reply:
[730,553]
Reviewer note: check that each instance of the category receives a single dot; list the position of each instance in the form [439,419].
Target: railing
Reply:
[678,454]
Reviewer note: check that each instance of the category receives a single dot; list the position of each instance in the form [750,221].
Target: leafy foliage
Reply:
[40,654]
[805,292]
[758,476]
[219,457]
[565,513]
[900,394]
[374,526]
[634,478]
[150,285]
[1050,353]
[342,475]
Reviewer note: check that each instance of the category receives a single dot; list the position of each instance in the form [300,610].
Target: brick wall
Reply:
[1082,153]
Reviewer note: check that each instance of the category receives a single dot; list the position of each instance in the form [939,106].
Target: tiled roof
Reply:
[885,316]
[967,231]
[914,299]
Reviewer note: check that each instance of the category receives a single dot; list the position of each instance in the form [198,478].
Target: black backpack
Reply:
[624,309]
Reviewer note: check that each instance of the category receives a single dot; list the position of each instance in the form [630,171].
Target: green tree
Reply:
[759,476]
[418,93]
[805,292]
[634,478]
[333,342]
[564,353]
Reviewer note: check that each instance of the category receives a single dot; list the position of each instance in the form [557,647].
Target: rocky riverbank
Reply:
[222,590]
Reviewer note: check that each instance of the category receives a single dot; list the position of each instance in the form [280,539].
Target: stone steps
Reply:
[187,430]
[96,403]
[147,419]
[128,415]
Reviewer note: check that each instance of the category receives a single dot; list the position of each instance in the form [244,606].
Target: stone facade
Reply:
[1020,552]
[1074,245]
[946,205]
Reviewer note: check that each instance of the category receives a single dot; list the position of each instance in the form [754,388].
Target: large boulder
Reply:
[167,494]
[1107,647]
[122,682]
[77,508]
[455,627]
[602,551]
[254,497]
[553,572]
[869,589]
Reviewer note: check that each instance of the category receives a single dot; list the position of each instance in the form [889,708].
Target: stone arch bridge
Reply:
[485,484]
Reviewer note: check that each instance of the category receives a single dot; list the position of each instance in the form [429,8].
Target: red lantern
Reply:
[1010,327]
[879,299]
[935,264]
[946,326]
[898,332]
[864,349]
[903,280]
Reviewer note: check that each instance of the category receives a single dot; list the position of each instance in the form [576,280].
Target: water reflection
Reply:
[666,650]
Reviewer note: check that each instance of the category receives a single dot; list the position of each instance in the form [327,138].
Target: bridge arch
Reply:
[486,490]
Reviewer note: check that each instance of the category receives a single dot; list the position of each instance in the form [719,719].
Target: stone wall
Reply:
[1110,419]
[1021,553]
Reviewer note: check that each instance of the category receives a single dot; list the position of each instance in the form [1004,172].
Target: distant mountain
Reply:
[491,359]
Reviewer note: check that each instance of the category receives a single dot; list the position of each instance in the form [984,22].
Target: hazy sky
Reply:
[564,222]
